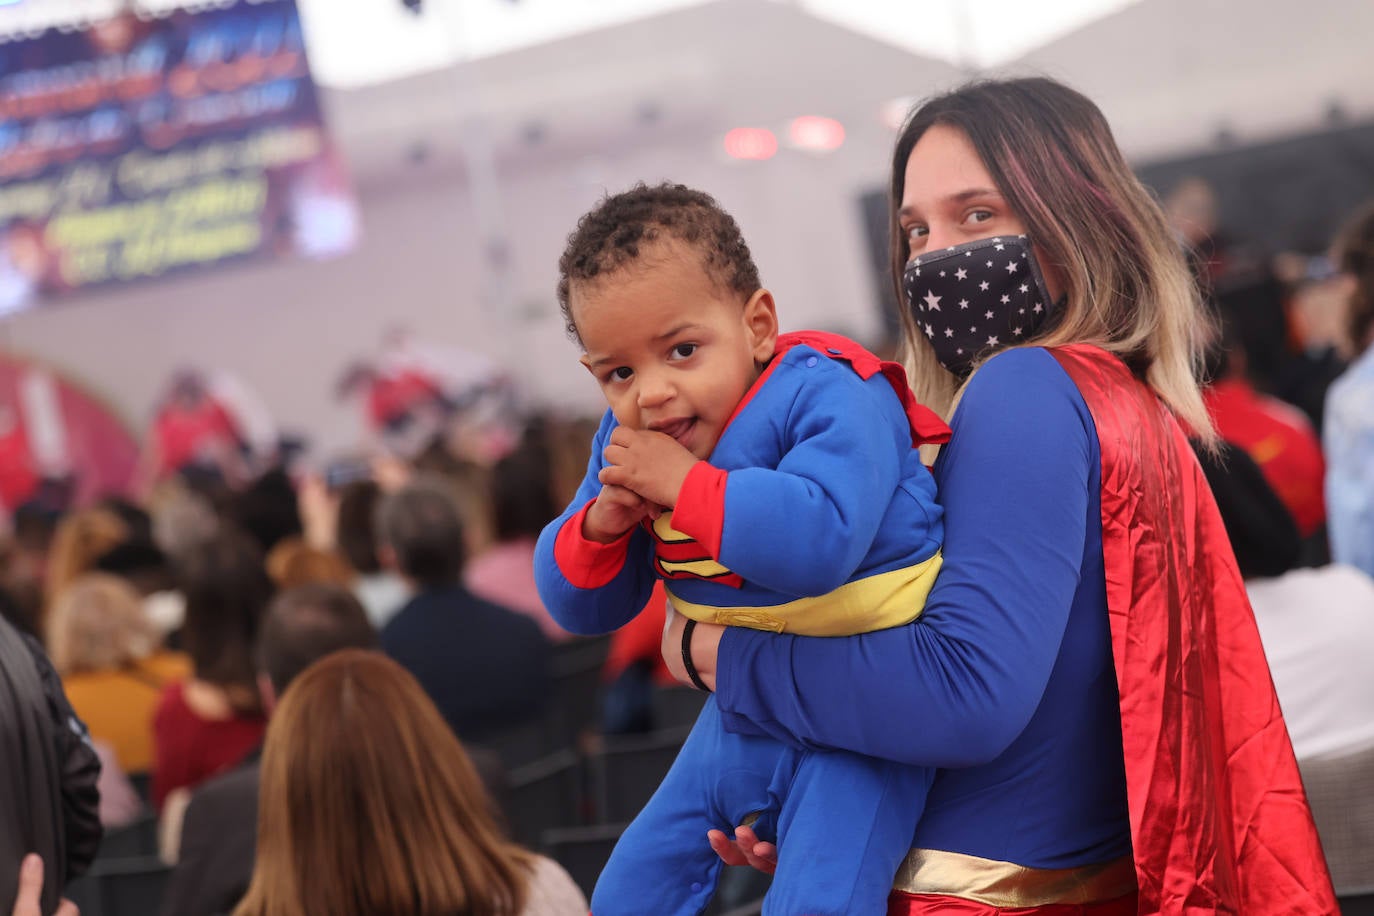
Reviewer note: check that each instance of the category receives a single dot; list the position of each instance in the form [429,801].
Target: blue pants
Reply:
[842,822]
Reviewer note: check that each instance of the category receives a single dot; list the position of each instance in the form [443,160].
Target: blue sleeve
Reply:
[958,685]
[1349,443]
[804,527]
[607,607]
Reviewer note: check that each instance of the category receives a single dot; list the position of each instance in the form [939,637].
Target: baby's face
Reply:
[671,349]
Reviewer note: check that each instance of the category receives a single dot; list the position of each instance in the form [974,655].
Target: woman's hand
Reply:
[27,899]
[744,849]
[705,645]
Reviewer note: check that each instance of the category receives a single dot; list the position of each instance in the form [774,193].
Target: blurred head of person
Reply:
[1192,210]
[227,590]
[267,510]
[1353,254]
[369,804]
[81,538]
[522,495]
[97,623]
[293,562]
[180,516]
[356,531]
[421,533]
[139,562]
[24,563]
[304,624]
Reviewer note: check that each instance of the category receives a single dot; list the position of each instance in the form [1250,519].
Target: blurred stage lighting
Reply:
[816,133]
[751,143]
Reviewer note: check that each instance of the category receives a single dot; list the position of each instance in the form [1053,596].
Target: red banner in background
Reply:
[137,148]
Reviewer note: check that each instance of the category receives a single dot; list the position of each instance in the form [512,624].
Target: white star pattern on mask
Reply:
[949,332]
[1006,299]
[987,315]
[1037,308]
[1024,288]
[1011,267]
[1016,331]
[992,341]
[983,286]
[963,303]
[932,301]
[961,274]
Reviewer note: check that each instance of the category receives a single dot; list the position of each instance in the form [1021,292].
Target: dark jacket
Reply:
[49,803]
[485,667]
[218,839]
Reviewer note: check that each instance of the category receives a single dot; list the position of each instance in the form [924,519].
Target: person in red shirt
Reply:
[1276,435]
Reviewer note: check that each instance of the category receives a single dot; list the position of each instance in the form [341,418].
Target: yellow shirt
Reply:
[117,705]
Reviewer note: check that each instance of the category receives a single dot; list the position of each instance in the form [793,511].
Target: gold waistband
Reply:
[933,871]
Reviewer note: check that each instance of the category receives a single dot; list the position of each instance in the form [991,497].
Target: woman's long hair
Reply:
[227,590]
[1053,157]
[369,805]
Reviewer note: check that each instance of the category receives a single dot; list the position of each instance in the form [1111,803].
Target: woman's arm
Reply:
[956,687]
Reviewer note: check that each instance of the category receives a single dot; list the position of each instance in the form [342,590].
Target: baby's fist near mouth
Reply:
[651,463]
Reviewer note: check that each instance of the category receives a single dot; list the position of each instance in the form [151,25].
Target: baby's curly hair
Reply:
[617,230]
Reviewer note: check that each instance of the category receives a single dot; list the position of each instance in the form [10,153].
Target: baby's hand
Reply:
[652,464]
[615,512]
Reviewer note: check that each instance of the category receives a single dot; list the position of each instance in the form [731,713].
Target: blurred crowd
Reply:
[175,622]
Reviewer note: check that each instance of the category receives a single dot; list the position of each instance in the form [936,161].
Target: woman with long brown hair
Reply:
[1087,672]
[369,806]
[210,721]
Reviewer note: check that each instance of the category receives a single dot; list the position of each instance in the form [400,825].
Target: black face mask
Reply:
[974,299]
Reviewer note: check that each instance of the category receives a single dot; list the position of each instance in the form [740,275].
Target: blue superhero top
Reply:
[814,514]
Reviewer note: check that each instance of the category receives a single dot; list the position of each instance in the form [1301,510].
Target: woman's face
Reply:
[949,199]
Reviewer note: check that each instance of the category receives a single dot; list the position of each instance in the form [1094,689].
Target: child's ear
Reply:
[761,323]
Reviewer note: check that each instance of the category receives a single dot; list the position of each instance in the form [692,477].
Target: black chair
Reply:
[121,887]
[1362,905]
[522,744]
[543,795]
[583,851]
[574,706]
[132,840]
[674,707]
[143,785]
[626,771]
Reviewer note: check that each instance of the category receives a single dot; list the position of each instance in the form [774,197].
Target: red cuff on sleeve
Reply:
[700,510]
[586,563]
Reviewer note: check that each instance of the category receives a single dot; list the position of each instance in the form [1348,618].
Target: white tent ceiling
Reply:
[540,79]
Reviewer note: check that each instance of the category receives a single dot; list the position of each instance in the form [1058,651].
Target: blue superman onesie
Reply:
[813,516]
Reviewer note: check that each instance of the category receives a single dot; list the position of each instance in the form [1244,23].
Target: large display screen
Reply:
[136,148]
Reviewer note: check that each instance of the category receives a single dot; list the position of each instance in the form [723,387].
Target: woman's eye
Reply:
[916,232]
[621,373]
[684,350]
[980,216]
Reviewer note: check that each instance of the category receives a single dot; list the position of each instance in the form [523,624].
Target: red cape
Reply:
[1219,819]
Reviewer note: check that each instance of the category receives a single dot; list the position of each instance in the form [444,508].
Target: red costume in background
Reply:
[1219,819]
